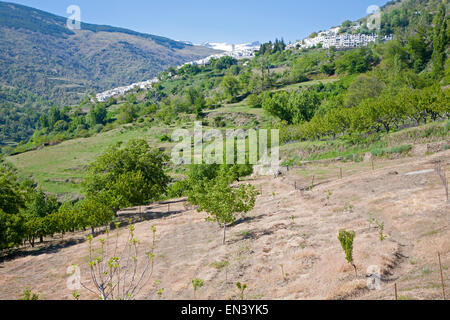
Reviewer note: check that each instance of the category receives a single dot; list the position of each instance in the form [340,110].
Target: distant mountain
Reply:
[40,56]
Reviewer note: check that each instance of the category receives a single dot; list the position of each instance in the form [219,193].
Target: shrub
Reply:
[197,283]
[346,239]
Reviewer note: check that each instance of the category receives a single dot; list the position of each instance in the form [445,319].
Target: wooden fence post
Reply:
[395,291]
[442,276]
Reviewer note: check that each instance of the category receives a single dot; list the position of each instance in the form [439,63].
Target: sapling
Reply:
[76,295]
[346,239]
[241,287]
[197,283]
[329,194]
[29,295]
[380,226]
[116,276]
[284,275]
[223,202]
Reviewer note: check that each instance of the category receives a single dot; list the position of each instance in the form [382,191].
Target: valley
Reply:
[339,192]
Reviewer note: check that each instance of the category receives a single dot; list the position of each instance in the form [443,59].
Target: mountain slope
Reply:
[39,54]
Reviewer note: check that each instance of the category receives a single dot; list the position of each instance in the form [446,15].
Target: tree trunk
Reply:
[41,239]
[92,231]
[224,232]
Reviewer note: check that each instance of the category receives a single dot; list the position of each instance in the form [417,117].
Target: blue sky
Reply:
[233,21]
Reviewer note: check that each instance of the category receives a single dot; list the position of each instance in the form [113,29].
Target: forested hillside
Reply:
[40,56]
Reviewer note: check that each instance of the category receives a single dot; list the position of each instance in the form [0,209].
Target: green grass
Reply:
[399,142]
[55,167]
[379,152]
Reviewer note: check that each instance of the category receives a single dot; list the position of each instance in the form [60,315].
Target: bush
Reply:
[165,138]
[379,152]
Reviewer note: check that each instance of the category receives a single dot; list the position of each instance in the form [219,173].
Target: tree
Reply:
[96,211]
[11,196]
[355,61]
[197,283]
[128,176]
[346,239]
[97,115]
[293,107]
[127,113]
[439,42]
[223,202]
[364,86]
[231,86]
[224,63]
[38,206]
[12,201]
[116,274]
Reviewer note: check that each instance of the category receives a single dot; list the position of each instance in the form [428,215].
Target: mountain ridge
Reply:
[39,54]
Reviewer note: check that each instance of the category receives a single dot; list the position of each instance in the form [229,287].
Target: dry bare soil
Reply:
[293,228]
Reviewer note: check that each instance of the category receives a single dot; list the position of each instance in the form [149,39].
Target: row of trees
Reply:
[121,177]
[385,112]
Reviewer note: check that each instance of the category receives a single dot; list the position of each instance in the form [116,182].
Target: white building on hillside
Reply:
[332,38]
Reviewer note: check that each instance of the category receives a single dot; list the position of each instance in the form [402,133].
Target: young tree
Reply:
[117,272]
[223,202]
[197,283]
[346,239]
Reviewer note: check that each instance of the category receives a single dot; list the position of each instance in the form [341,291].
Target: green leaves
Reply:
[346,240]
[11,197]
[133,175]
[241,287]
[29,295]
[196,284]
[223,202]
[293,107]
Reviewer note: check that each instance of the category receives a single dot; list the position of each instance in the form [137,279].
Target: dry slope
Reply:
[296,229]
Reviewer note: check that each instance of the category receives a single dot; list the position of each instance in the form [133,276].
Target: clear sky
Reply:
[232,21]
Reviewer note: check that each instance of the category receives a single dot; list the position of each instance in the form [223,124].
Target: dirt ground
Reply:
[287,247]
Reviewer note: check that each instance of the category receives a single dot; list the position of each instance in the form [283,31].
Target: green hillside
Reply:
[41,57]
